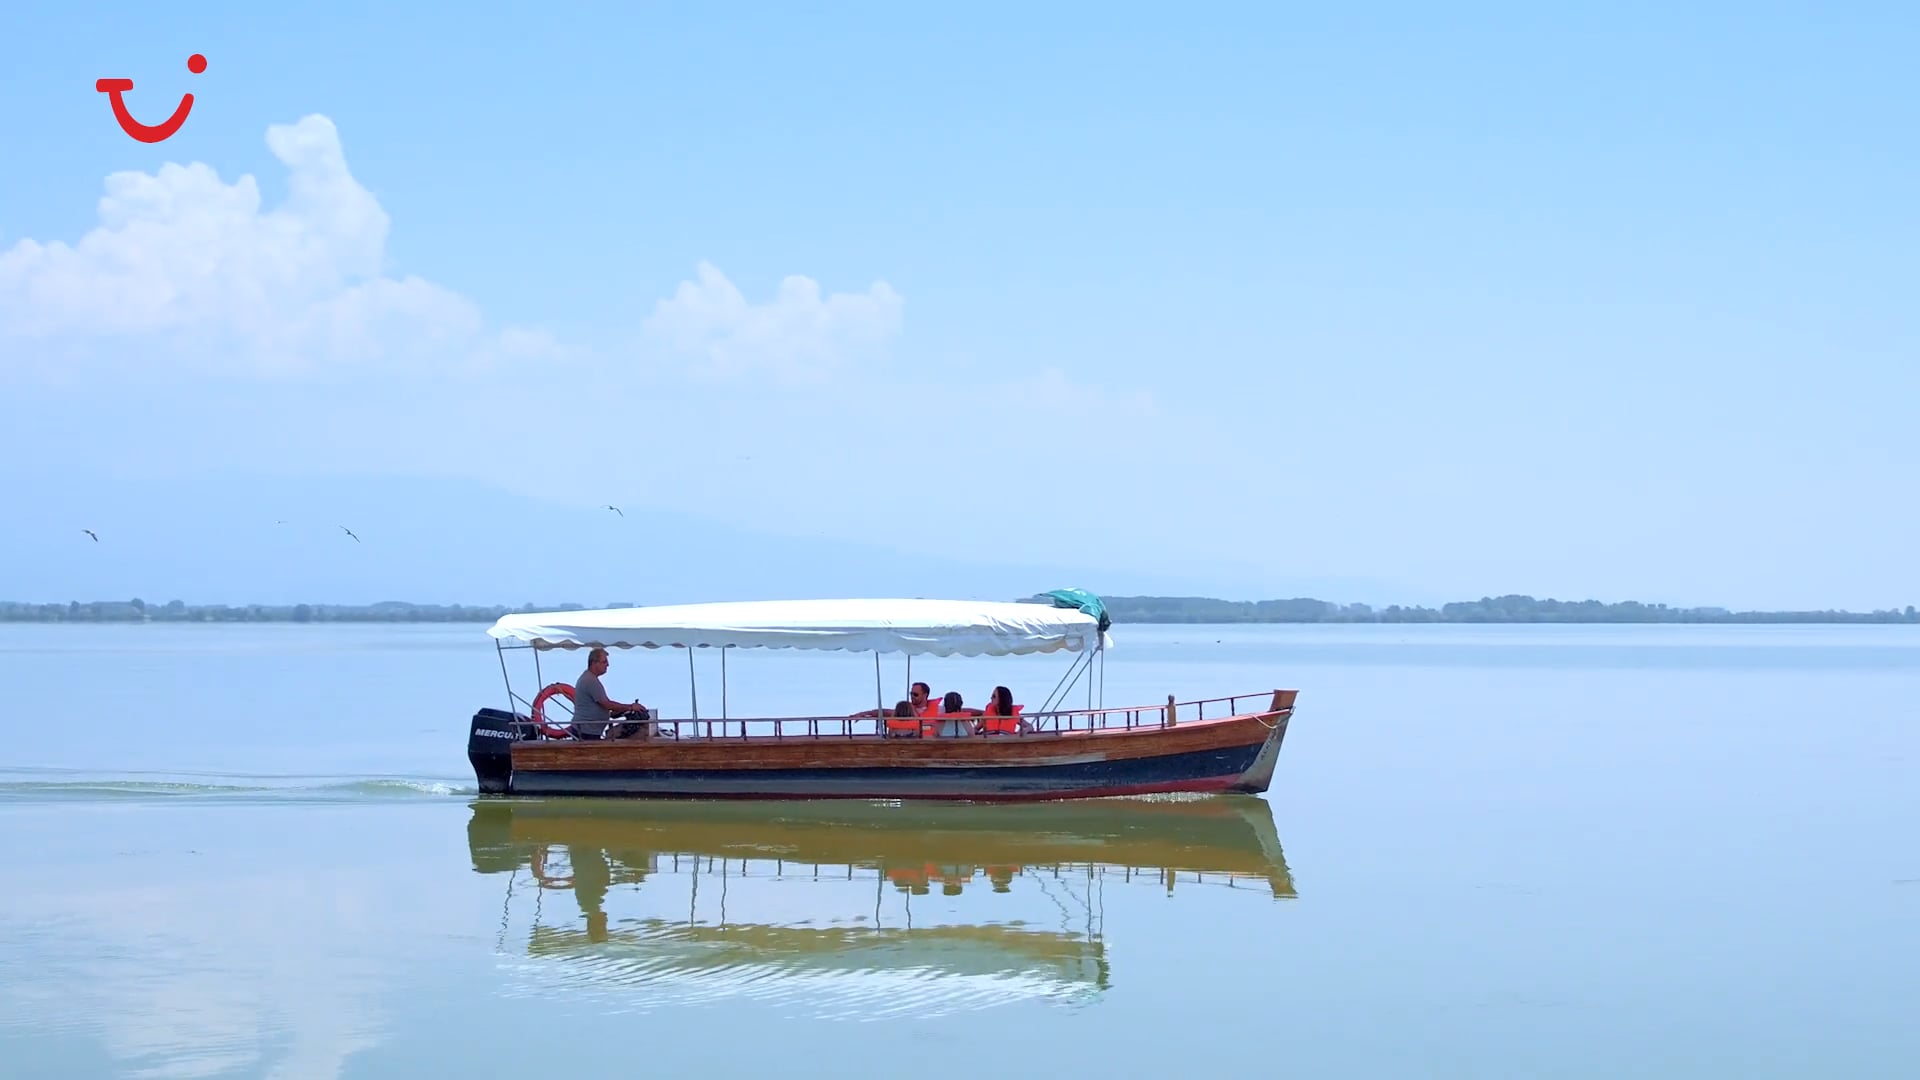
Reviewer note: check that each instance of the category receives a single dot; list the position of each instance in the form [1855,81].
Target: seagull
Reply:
[349,532]
[617,510]
[89,532]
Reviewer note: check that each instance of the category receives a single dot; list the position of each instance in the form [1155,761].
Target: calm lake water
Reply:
[1489,851]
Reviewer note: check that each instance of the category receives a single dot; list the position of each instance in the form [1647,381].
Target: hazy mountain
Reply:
[242,538]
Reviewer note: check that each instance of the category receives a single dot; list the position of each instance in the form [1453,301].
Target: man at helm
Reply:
[593,710]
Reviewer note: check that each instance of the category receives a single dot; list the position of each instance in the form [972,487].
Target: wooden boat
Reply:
[1226,744]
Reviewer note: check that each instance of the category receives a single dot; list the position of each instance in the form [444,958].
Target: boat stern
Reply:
[490,741]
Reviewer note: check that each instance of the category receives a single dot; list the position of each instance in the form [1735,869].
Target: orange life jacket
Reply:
[926,722]
[993,723]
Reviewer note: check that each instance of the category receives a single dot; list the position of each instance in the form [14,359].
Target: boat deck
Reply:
[1071,723]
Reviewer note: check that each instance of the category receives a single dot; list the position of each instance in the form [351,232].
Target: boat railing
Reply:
[1053,723]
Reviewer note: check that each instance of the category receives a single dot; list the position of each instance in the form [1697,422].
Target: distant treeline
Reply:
[1123,609]
[1488,609]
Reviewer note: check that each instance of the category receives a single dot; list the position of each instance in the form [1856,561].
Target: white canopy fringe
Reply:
[915,627]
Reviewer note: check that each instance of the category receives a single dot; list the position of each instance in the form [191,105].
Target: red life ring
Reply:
[540,871]
[540,710]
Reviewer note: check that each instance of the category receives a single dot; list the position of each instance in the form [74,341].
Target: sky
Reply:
[1383,304]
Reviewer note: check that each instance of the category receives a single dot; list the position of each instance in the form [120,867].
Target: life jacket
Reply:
[925,723]
[992,723]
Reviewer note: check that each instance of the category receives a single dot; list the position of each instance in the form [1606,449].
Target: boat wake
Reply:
[50,785]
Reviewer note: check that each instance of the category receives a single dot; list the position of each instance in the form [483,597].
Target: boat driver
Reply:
[593,709]
[918,703]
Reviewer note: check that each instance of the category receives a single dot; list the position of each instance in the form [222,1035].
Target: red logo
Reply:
[113,88]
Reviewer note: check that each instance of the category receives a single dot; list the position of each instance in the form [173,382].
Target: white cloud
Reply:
[796,336]
[187,272]
[192,271]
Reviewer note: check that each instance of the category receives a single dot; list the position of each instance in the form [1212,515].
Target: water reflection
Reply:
[844,908]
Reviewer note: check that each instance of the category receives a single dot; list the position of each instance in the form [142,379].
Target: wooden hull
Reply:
[1226,754]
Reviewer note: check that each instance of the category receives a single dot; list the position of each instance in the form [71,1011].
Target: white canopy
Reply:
[916,627]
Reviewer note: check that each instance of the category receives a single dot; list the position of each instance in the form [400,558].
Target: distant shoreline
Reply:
[1123,609]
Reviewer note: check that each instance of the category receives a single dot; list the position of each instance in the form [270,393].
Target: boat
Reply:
[1215,745]
[852,908]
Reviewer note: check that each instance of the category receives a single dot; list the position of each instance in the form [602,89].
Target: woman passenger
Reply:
[1002,716]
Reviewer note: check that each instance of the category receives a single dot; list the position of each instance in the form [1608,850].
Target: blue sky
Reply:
[1383,304]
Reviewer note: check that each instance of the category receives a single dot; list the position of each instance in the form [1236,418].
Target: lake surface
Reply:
[1489,851]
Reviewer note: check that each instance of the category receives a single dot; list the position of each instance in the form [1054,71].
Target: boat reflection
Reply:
[852,908]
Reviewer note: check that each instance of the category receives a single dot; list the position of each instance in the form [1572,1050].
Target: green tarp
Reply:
[1085,601]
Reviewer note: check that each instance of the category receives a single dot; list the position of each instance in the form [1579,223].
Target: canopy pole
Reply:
[1059,692]
[879,698]
[723,685]
[504,677]
[693,690]
[539,680]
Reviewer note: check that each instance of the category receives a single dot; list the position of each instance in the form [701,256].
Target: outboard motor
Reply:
[490,749]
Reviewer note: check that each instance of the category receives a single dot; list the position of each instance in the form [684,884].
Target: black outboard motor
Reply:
[490,749]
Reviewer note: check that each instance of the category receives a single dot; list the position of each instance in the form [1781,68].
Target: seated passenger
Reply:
[902,723]
[951,711]
[952,705]
[916,698]
[1002,716]
[921,696]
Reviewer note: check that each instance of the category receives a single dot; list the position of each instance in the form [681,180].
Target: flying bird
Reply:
[349,532]
[617,510]
[89,532]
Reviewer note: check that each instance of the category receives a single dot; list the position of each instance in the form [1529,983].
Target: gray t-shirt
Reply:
[590,703]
